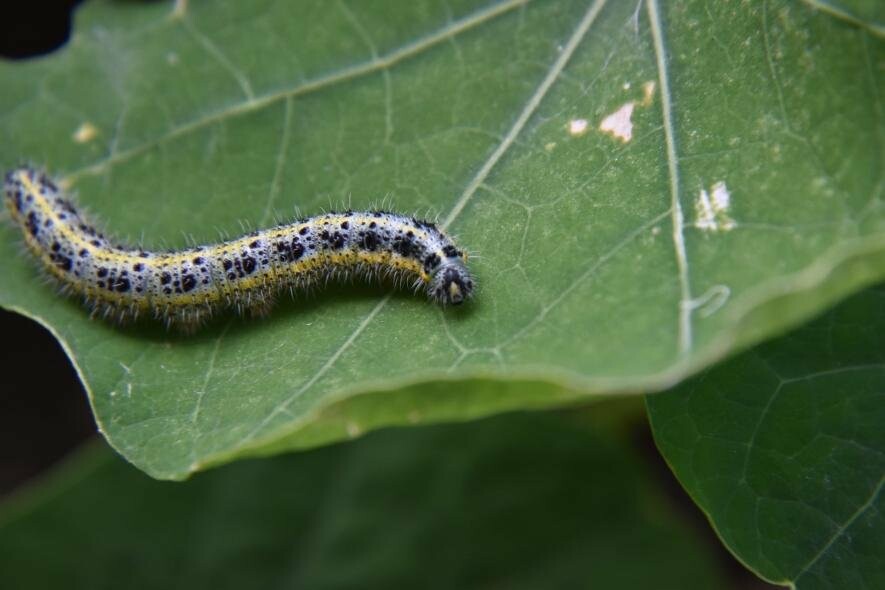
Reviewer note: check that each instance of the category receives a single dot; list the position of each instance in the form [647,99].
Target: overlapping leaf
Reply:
[783,448]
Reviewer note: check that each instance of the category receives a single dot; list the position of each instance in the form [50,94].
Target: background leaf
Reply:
[604,263]
[783,448]
[516,501]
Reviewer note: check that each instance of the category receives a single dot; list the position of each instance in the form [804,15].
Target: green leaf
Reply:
[783,448]
[515,502]
[604,265]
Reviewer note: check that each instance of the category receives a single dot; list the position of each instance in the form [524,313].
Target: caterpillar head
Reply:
[451,283]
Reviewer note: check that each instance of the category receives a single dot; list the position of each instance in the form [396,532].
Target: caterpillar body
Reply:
[186,287]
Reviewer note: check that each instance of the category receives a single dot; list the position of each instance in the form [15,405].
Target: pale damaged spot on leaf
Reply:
[619,123]
[711,209]
[711,301]
[648,93]
[85,133]
[578,127]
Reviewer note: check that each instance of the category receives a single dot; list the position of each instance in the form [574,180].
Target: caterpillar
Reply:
[186,287]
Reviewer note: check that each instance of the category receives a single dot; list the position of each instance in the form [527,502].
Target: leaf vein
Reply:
[409,50]
[877,29]
[212,49]
[283,407]
[590,271]
[686,303]
[574,40]
[844,527]
[280,164]
[531,106]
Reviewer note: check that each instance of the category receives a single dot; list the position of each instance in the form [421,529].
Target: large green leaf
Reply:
[517,502]
[784,448]
[605,264]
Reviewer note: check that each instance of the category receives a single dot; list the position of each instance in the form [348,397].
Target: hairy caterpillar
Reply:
[185,287]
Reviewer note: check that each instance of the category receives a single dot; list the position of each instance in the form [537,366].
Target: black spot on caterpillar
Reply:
[186,287]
